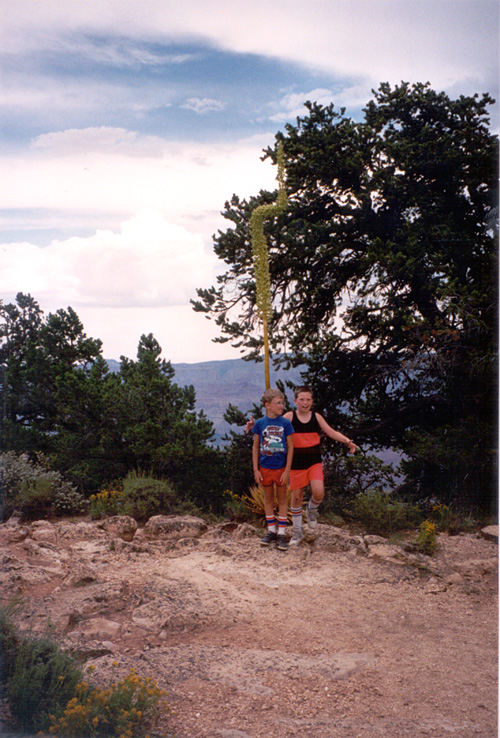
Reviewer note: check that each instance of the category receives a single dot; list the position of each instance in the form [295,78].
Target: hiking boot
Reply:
[269,538]
[282,543]
[312,517]
[297,536]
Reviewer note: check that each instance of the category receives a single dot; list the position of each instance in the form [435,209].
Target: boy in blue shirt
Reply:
[272,459]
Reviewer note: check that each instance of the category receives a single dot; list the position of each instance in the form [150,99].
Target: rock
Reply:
[244,530]
[81,530]
[93,650]
[42,530]
[374,540]
[167,527]
[97,629]
[13,532]
[386,552]
[80,575]
[331,538]
[122,526]
[490,533]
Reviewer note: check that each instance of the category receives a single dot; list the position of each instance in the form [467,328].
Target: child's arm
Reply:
[255,459]
[289,455]
[328,430]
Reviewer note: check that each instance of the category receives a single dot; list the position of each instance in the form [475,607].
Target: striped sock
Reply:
[271,525]
[297,517]
[281,526]
[314,504]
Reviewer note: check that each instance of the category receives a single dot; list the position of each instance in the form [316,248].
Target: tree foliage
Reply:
[383,273]
[59,397]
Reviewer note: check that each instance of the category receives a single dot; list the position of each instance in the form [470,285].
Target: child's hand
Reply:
[250,424]
[258,477]
[284,478]
[352,447]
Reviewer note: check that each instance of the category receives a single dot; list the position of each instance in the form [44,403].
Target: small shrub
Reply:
[35,490]
[427,538]
[145,496]
[8,643]
[254,502]
[236,507]
[67,501]
[106,503]
[41,681]
[127,709]
[381,514]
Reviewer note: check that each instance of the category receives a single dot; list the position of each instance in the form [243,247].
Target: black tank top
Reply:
[305,456]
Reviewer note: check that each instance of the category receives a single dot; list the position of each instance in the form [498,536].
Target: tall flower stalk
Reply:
[261,257]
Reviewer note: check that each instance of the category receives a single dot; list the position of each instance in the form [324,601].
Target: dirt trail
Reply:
[327,641]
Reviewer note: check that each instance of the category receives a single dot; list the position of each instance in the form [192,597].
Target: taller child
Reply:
[306,463]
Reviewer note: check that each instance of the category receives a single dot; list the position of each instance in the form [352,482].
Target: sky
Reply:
[127,124]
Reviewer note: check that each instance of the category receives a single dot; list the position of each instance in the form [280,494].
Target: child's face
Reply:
[275,407]
[304,401]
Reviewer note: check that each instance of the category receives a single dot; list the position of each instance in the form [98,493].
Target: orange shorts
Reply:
[300,478]
[271,475]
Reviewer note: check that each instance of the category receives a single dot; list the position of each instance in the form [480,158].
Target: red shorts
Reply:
[271,475]
[300,478]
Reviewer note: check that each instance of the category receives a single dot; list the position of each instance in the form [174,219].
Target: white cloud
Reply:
[203,105]
[98,139]
[292,104]
[114,170]
[150,262]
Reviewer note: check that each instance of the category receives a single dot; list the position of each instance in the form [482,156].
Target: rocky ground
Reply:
[343,637]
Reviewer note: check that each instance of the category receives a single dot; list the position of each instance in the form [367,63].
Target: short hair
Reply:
[270,394]
[302,388]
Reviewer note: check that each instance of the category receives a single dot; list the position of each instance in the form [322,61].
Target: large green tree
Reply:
[383,271]
[37,356]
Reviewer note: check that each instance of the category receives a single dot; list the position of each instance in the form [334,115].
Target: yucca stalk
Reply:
[261,257]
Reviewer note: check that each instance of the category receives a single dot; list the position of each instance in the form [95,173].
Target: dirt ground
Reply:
[326,640]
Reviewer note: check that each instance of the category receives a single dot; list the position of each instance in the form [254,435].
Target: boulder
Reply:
[121,526]
[13,531]
[490,533]
[168,527]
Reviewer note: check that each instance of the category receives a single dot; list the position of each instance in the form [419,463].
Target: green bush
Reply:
[37,678]
[8,643]
[144,496]
[381,514]
[35,490]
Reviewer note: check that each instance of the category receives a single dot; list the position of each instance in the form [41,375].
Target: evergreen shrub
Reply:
[382,514]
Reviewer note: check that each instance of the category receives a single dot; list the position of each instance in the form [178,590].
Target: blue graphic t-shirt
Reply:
[272,434]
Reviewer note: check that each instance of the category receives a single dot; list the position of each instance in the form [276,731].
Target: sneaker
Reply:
[297,536]
[282,543]
[269,538]
[312,517]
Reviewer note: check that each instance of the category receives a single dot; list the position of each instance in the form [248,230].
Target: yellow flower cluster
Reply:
[122,710]
[106,495]
[427,537]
